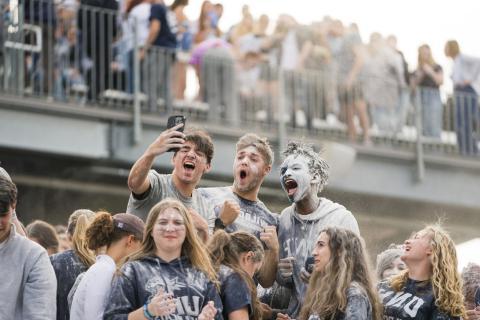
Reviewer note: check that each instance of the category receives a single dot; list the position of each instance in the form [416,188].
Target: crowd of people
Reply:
[327,71]
[183,252]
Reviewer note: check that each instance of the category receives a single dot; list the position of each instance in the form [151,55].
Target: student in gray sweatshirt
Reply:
[28,285]
[303,174]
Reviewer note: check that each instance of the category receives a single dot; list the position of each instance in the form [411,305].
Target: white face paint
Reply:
[295,177]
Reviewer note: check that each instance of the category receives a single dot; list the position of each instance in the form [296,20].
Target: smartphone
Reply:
[172,122]
[309,264]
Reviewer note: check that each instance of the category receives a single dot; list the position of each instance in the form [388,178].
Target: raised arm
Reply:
[138,181]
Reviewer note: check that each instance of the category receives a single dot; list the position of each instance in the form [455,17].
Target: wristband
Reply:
[146,313]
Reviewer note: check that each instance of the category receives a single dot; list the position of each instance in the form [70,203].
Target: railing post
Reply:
[137,116]
[282,131]
[420,161]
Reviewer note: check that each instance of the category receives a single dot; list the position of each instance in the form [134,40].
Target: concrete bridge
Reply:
[67,156]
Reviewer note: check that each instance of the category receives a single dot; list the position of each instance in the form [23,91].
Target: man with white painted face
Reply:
[238,208]
[303,174]
[192,158]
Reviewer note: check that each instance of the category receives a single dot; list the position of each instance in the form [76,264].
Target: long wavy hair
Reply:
[192,247]
[226,249]
[327,290]
[446,282]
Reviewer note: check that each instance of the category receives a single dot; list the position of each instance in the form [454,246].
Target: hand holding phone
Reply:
[309,264]
[174,121]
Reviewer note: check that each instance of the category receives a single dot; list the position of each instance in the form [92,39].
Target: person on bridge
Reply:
[238,208]
[303,175]
[193,153]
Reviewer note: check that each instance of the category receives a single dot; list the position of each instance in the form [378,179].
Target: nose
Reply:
[407,242]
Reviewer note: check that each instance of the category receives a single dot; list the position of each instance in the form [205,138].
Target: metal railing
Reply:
[86,58]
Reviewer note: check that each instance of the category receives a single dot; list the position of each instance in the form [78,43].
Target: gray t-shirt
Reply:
[297,235]
[161,187]
[254,215]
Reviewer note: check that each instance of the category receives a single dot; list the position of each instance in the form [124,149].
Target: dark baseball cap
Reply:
[129,223]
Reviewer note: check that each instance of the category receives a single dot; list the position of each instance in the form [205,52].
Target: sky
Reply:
[413,22]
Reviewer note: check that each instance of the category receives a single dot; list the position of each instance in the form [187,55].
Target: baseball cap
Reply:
[129,223]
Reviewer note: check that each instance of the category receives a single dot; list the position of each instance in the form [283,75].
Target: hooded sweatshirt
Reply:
[27,280]
[140,280]
[297,235]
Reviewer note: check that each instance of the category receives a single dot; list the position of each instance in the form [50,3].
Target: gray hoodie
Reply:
[27,281]
[297,235]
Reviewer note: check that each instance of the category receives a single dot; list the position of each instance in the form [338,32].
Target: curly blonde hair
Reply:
[446,281]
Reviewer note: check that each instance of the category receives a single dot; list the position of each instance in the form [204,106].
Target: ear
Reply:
[429,250]
[208,166]
[267,169]
[173,159]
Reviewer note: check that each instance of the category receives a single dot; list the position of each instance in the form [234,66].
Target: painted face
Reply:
[190,163]
[395,268]
[321,253]
[248,264]
[295,177]
[417,248]
[5,223]
[249,169]
[169,231]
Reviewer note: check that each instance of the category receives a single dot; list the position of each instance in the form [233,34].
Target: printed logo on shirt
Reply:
[405,301]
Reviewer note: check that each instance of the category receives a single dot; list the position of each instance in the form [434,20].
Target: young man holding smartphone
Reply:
[193,152]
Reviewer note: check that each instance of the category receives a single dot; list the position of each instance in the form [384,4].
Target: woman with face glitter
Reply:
[171,276]
[430,287]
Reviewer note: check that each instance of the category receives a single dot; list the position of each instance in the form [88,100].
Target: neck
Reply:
[185,189]
[308,204]
[5,236]
[251,195]
[115,253]
[168,256]
[419,271]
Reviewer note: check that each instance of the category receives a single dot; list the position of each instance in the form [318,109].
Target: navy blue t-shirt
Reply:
[234,292]
[67,266]
[165,37]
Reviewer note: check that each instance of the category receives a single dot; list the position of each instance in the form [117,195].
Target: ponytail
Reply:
[217,245]
[79,243]
[226,248]
[100,231]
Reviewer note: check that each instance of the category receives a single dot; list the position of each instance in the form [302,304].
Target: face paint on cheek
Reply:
[302,176]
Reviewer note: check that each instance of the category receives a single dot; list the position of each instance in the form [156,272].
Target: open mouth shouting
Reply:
[290,186]
[189,166]
[242,174]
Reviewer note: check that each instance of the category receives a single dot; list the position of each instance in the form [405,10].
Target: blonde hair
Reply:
[79,222]
[348,264]
[452,49]
[226,249]
[261,144]
[429,60]
[446,282]
[192,247]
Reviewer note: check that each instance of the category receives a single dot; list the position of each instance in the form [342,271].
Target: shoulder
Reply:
[286,214]
[215,192]
[157,9]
